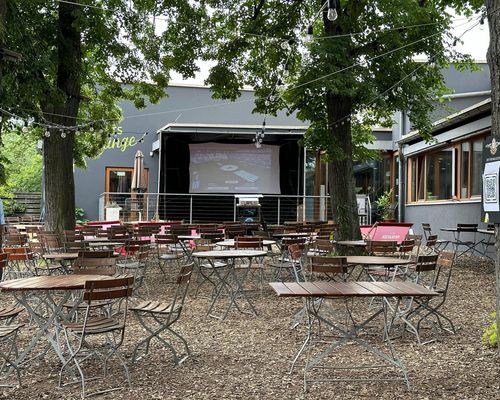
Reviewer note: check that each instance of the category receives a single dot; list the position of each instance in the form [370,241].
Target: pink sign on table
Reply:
[390,231]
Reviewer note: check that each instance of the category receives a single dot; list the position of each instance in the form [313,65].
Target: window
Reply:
[453,172]
[118,180]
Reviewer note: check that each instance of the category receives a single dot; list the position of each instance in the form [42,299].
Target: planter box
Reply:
[113,213]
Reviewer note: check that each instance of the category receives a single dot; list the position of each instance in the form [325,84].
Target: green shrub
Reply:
[490,335]
[12,207]
[79,216]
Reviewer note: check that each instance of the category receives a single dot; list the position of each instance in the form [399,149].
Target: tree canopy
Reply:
[359,68]
[79,59]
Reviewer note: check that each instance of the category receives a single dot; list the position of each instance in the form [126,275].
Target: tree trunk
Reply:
[344,205]
[493,57]
[59,182]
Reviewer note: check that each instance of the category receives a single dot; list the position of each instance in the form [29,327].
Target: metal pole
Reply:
[190,209]
[279,208]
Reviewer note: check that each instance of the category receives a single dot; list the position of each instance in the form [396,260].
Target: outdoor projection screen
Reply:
[234,168]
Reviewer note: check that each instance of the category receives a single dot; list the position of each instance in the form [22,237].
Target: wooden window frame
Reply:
[457,172]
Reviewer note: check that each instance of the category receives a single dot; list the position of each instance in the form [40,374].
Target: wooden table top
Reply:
[377,260]
[350,289]
[352,243]
[487,231]
[229,253]
[61,256]
[294,234]
[230,243]
[101,244]
[51,282]
[104,240]
[189,237]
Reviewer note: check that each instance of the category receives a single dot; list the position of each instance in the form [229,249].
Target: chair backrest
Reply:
[165,239]
[214,236]
[431,241]
[233,231]
[406,247]
[3,262]
[51,242]
[108,289]
[329,266]
[95,266]
[296,251]
[467,228]
[202,245]
[36,248]
[95,253]
[426,263]
[416,238]
[180,230]
[12,239]
[18,253]
[323,246]
[183,280]
[445,263]
[381,247]
[72,236]
[74,247]
[248,242]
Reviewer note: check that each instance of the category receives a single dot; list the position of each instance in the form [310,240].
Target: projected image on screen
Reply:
[234,168]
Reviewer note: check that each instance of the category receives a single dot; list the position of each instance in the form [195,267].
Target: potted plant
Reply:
[384,208]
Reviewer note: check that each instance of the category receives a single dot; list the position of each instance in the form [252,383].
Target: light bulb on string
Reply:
[481,22]
[63,134]
[331,14]
[47,133]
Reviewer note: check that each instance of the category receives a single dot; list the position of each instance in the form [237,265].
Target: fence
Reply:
[199,208]
[32,202]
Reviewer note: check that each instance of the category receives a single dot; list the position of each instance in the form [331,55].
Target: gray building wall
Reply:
[186,104]
[443,216]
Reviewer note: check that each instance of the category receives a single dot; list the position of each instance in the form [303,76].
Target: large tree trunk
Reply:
[493,57]
[58,151]
[344,205]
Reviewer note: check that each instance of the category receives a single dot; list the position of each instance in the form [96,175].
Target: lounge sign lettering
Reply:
[120,142]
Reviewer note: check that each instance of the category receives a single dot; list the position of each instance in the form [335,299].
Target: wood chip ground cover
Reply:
[248,357]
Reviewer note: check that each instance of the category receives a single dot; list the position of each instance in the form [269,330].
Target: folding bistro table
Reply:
[44,298]
[350,332]
[229,281]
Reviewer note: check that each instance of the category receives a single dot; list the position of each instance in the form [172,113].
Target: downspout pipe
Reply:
[401,170]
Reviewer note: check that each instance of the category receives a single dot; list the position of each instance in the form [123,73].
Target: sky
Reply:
[475,43]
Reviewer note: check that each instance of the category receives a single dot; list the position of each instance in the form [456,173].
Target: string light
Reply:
[331,14]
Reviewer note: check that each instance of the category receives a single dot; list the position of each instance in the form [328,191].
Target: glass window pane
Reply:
[421,177]
[413,179]
[464,171]
[120,181]
[477,168]
[439,175]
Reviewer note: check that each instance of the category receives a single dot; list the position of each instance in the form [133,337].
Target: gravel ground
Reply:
[248,357]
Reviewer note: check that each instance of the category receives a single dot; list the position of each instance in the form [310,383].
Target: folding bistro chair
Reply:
[470,243]
[80,337]
[292,266]
[330,268]
[383,248]
[425,273]
[206,270]
[428,309]
[159,317]
[440,244]
[8,351]
[251,243]
[168,252]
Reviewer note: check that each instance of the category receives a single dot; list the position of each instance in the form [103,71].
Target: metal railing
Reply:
[199,208]
[194,208]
